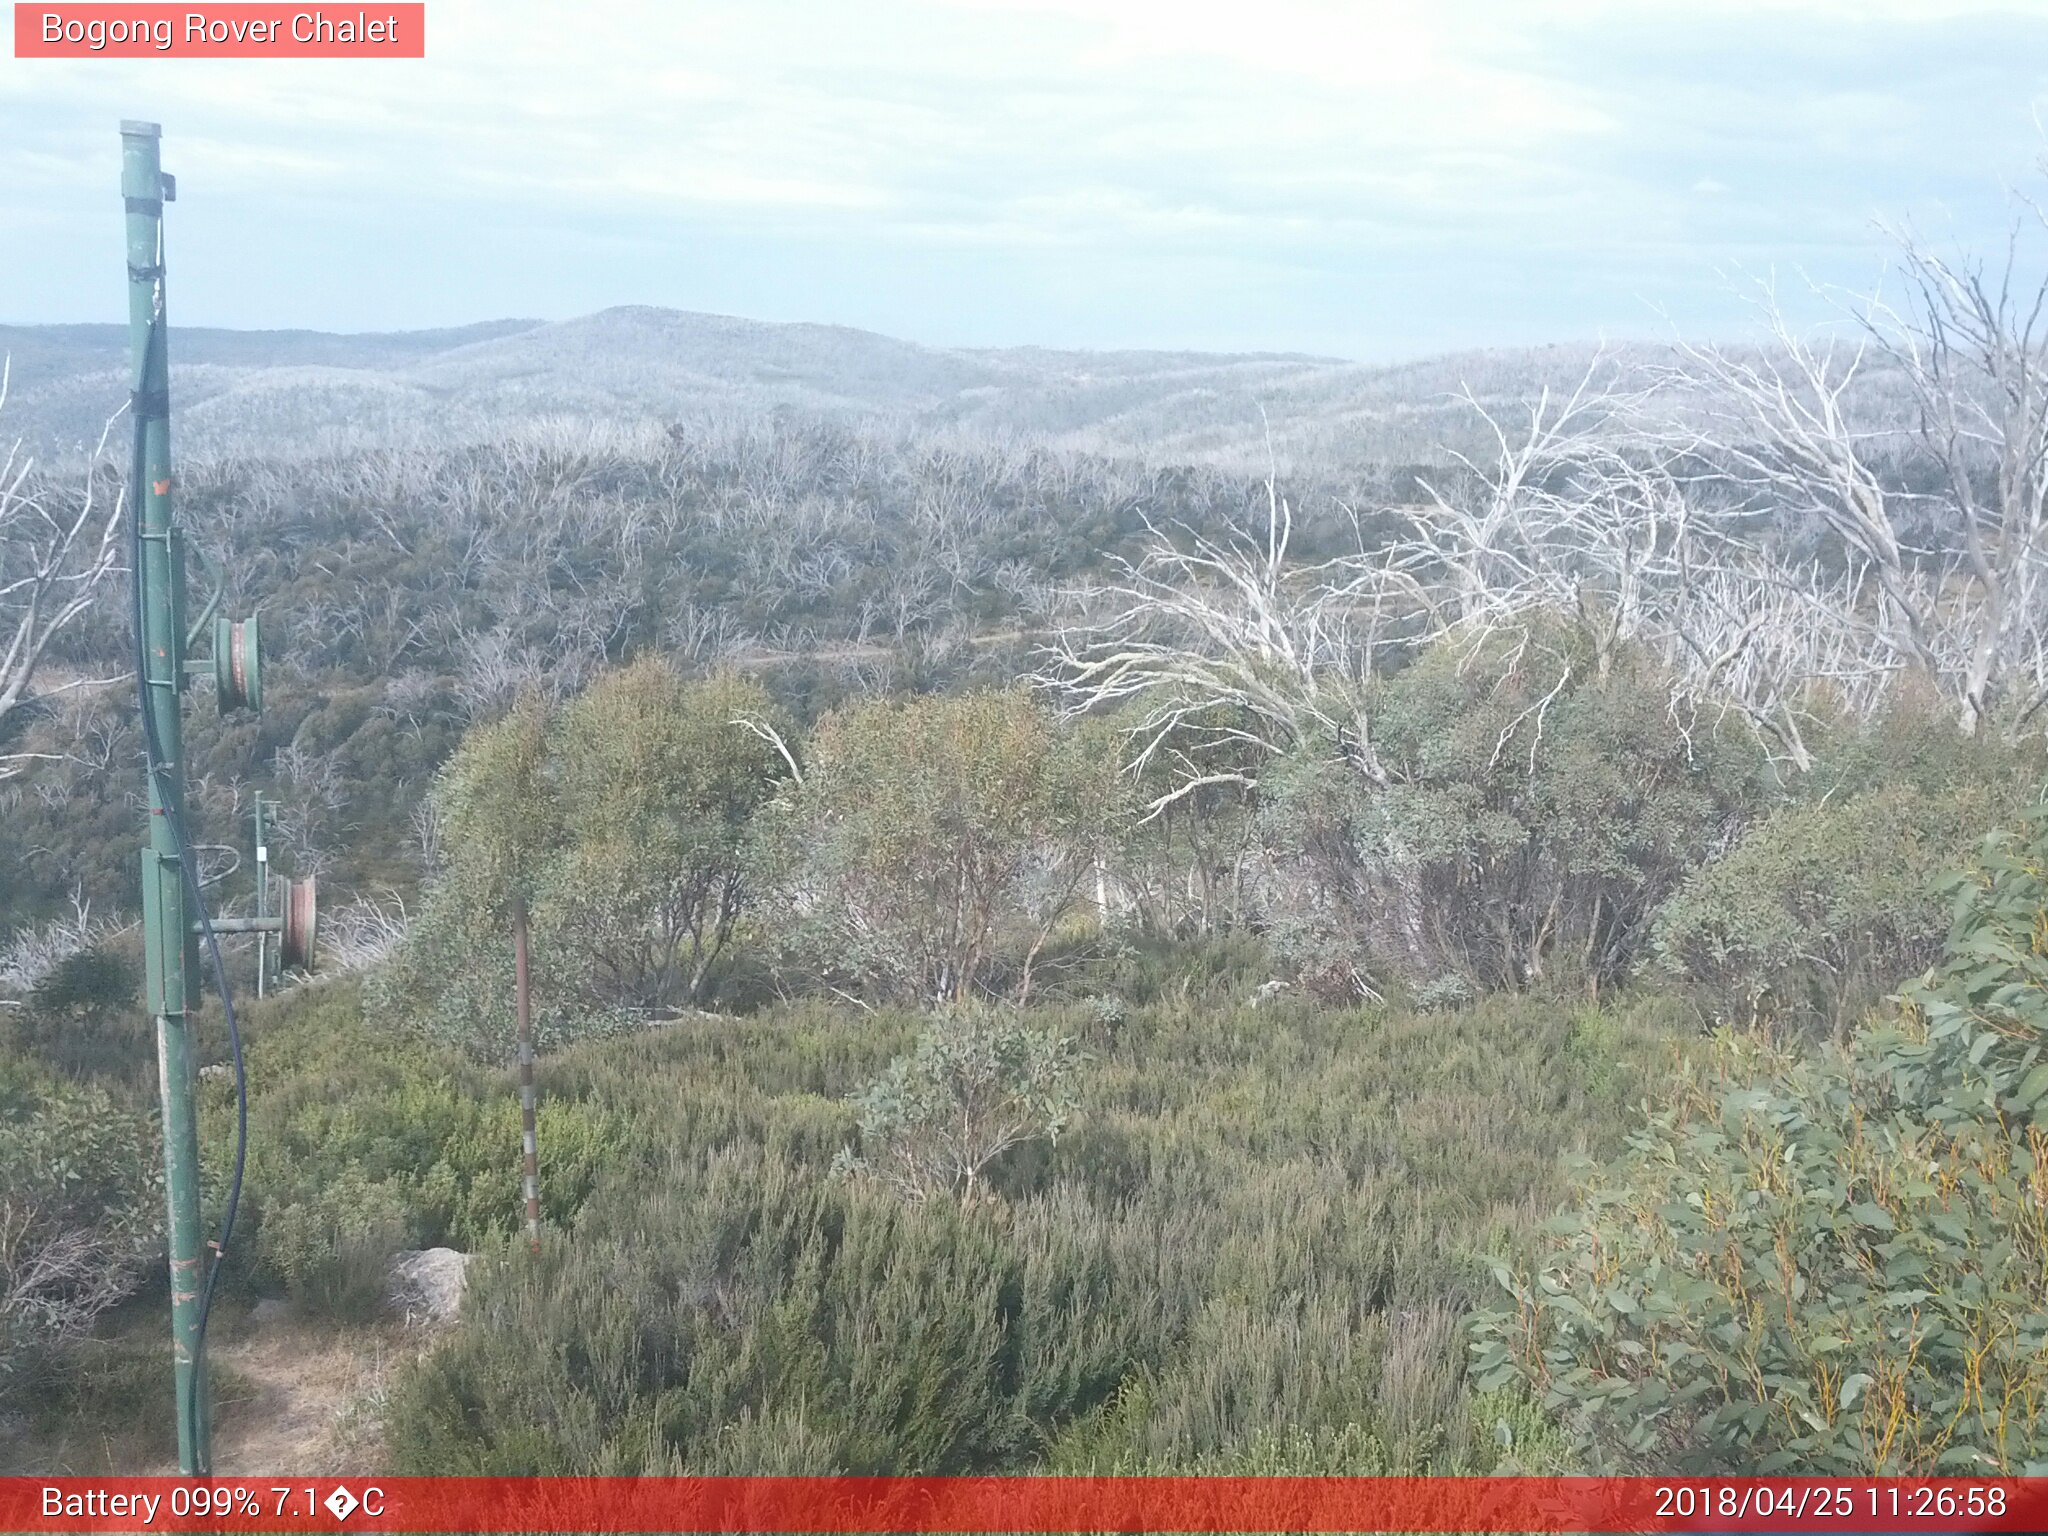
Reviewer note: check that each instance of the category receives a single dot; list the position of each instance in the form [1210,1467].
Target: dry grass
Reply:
[311,1408]
[290,1399]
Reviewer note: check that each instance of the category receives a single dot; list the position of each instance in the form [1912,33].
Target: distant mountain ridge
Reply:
[293,391]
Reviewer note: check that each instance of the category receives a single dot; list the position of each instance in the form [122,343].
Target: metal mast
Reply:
[174,917]
[171,950]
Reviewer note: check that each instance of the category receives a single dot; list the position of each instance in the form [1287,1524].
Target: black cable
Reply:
[159,771]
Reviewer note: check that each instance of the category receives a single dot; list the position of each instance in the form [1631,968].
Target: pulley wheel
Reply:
[238,663]
[301,920]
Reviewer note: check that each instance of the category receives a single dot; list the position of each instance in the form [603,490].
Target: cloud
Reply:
[1318,174]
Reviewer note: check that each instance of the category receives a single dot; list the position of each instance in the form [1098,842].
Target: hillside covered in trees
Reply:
[1050,956]
[294,393]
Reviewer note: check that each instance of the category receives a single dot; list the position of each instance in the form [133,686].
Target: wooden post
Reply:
[529,1118]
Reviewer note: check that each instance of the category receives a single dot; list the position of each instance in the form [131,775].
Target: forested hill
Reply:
[275,392]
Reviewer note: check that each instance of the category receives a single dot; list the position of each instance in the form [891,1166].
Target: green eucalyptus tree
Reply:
[938,843]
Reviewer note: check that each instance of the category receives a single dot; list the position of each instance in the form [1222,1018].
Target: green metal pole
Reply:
[171,951]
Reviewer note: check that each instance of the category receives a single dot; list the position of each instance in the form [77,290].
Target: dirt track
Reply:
[304,1403]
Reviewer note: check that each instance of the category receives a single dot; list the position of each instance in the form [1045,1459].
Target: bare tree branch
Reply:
[53,559]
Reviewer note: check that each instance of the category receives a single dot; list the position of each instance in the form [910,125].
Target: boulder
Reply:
[427,1284]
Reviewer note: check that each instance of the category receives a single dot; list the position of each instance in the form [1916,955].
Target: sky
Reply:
[1359,178]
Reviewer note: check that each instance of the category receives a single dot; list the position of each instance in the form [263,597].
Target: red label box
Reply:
[955,1506]
[234,31]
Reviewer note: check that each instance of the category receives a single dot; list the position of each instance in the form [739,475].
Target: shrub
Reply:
[105,1405]
[1976,1031]
[85,1016]
[1821,907]
[618,821]
[1534,815]
[99,1383]
[1838,1265]
[79,1210]
[1183,867]
[500,824]
[893,1330]
[1247,1255]
[333,1246]
[979,1083]
[659,779]
[935,840]
[364,1140]
[1443,995]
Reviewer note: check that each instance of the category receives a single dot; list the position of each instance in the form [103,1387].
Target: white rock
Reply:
[427,1284]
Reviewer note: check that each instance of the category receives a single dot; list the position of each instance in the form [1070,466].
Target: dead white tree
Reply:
[1591,516]
[362,933]
[53,560]
[313,796]
[56,1280]
[1778,431]
[31,953]
[1949,572]
[1578,516]
[1972,345]
[1674,514]
[1224,643]
[1601,512]
[1595,515]
[1779,645]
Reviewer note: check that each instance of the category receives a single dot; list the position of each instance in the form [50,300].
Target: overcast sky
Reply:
[1358,178]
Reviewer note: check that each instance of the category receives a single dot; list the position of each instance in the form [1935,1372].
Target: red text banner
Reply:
[1849,1506]
[220,31]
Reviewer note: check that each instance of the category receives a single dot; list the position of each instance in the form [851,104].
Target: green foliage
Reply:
[1443,994]
[500,827]
[1220,971]
[935,842]
[618,821]
[1251,1253]
[101,1382]
[1822,906]
[1183,865]
[333,1245]
[1834,1265]
[658,780]
[1975,1041]
[86,1017]
[86,986]
[80,1210]
[1829,898]
[364,1140]
[500,809]
[1535,814]
[979,1083]
[894,1338]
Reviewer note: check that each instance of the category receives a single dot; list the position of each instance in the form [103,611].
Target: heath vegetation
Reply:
[1061,960]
